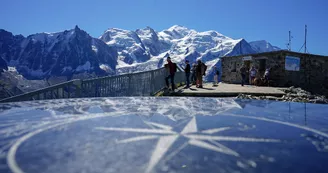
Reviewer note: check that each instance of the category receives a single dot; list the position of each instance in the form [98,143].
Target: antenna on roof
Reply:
[304,45]
[289,44]
[305,49]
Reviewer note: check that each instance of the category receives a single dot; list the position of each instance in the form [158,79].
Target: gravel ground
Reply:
[292,94]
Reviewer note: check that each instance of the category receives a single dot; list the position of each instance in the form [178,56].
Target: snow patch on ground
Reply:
[94,48]
[12,69]
[105,67]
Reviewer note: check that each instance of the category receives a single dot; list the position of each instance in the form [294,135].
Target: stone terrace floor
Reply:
[226,90]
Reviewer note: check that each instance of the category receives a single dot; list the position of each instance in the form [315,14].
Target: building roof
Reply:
[277,52]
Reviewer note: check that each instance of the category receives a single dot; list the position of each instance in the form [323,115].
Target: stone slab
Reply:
[162,134]
[228,90]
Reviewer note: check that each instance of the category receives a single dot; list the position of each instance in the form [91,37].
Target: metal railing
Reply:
[68,89]
[135,84]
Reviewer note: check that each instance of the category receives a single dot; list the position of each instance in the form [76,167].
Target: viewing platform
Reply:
[226,90]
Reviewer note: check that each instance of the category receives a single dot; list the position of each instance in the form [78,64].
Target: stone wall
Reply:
[312,75]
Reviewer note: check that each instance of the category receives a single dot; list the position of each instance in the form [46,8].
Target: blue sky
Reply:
[250,19]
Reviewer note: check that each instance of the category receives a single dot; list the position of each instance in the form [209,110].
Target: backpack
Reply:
[175,67]
[205,68]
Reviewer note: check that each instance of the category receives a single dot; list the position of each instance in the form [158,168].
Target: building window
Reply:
[234,67]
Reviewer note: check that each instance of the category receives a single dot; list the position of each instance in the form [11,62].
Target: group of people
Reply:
[252,75]
[197,71]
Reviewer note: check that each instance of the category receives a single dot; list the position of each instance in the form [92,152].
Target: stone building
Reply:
[287,68]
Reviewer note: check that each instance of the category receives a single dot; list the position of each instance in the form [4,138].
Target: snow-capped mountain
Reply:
[74,52]
[128,44]
[10,46]
[263,46]
[152,41]
[178,42]
[65,53]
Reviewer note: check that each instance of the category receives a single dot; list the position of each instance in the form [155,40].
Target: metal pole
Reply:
[305,38]
[290,42]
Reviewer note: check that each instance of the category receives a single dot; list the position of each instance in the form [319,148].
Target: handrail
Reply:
[61,90]
[133,84]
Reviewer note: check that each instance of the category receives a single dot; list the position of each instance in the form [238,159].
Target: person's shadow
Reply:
[207,88]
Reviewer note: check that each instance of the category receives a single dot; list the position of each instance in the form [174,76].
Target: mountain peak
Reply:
[175,32]
[149,28]
[263,46]
[4,33]
[117,30]
[77,28]
[178,28]
[242,40]
[146,31]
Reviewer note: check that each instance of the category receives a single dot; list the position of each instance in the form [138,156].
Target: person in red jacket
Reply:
[171,69]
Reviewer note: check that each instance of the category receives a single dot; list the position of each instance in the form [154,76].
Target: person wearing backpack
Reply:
[204,68]
[172,68]
[200,72]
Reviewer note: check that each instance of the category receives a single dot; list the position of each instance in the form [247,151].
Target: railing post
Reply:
[60,93]
[78,87]
[97,88]
[152,82]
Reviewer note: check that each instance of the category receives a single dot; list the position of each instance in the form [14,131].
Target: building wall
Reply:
[312,75]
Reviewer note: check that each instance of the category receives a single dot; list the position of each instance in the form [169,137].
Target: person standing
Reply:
[187,72]
[199,81]
[266,76]
[193,74]
[216,76]
[243,72]
[172,68]
[200,72]
[252,75]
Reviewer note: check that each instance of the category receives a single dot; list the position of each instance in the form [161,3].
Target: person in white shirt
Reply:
[252,74]
[266,75]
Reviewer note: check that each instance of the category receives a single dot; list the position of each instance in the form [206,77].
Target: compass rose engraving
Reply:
[166,138]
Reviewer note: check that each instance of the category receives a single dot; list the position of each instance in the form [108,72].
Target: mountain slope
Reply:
[263,46]
[128,44]
[10,47]
[3,65]
[65,53]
